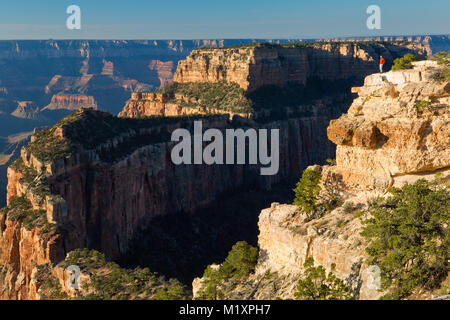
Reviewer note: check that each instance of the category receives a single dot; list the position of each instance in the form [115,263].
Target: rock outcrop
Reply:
[164,69]
[287,238]
[158,103]
[306,68]
[71,102]
[26,110]
[266,65]
[397,126]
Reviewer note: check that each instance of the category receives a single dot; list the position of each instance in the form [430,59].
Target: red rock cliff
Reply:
[99,194]
[71,102]
[318,66]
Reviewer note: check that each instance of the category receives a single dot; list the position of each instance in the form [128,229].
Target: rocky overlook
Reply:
[397,126]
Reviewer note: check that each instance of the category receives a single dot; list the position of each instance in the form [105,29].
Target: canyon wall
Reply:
[107,70]
[265,65]
[26,110]
[312,70]
[50,78]
[100,197]
[433,44]
[93,180]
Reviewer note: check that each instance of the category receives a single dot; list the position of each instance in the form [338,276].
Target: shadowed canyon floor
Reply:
[190,242]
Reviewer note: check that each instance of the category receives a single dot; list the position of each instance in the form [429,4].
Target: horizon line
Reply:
[218,38]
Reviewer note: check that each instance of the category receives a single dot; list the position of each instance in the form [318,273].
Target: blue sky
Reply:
[202,19]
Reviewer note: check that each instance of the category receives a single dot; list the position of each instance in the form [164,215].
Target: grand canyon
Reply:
[89,180]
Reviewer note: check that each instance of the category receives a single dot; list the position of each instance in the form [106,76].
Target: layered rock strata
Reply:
[71,102]
[308,68]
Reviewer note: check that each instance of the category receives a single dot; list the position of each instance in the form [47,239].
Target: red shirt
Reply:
[382,61]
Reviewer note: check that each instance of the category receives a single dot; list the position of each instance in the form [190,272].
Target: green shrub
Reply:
[240,262]
[18,164]
[307,190]
[109,281]
[317,285]
[174,291]
[405,62]
[222,95]
[441,75]
[409,237]
[422,105]
[341,222]
[331,204]
[20,209]
[442,57]
[50,288]
[349,207]
[47,147]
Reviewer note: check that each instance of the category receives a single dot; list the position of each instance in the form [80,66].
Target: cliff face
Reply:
[23,250]
[308,69]
[71,102]
[260,66]
[164,70]
[100,195]
[102,69]
[287,239]
[154,103]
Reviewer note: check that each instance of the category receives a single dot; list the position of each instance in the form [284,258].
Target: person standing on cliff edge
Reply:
[382,62]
